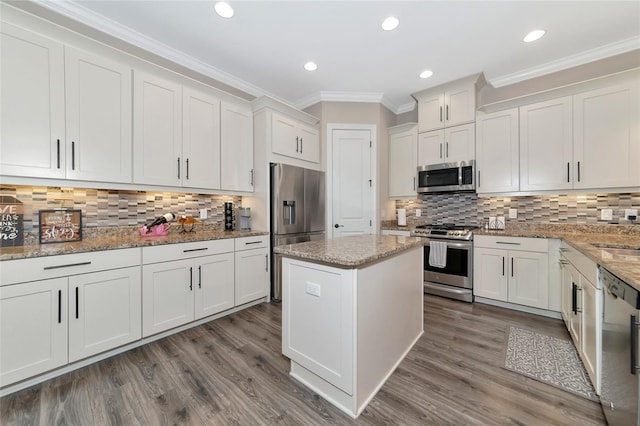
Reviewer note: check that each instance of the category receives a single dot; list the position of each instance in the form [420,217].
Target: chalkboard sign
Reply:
[60,226]
[11,222]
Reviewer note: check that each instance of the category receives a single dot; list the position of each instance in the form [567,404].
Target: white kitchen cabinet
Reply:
[546,145]
[157,130]
[105,311]
[497,152]
[606,129]
[216,285]
[294,139]
[446,106]
[200,139]
[33,328]
[513,270]
[33,128]
[252,269]
[403,151]
[236,158]
[449,145]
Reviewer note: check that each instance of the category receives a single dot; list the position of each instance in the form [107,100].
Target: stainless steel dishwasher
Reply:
[620,378]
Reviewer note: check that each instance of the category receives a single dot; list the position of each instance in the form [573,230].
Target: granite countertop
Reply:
[352,251]
[119,238]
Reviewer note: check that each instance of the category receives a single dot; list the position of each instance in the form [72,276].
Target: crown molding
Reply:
[582,58]
[406,107]
[79,13]
[362,97]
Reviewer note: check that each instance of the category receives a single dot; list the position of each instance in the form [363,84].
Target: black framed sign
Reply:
[60,226]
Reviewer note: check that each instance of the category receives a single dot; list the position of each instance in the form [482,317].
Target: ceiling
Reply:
[263,48]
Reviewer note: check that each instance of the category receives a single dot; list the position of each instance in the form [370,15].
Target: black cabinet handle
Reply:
[634,344]
[187,169]
[252,242]
[266,262]
[59,306]
[196,249]
[251,181]
[512,266]
[300,145]
[447,150]
[77,302]
[73,155]
[191,278]
[568,173]
[441,114]
[297,144]
[574,298]
[58,151]
[47,268]
[509,243]
[178,167]
[447,115]
[503,266]
[578,171]
[199,276]
[440,150]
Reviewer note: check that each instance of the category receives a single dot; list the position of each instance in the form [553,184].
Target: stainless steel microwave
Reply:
[447,177]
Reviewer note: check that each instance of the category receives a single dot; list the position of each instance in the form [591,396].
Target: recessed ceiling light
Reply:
[390,23]
[533,36]
[310,66]
[223,9]
[426,74]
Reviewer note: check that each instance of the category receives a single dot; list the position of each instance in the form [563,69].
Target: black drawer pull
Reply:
[252,242]
[47,268]
[198,249]
[59,306]
[504,242]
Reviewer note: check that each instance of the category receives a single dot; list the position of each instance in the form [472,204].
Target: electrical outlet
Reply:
[631,214]
[313,289]
[418,212]
[513,213]
[606,214]
[203,213]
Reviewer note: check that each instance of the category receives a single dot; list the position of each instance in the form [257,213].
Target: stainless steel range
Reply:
[450,272]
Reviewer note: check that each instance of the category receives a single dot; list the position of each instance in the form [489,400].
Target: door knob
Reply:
[338,226]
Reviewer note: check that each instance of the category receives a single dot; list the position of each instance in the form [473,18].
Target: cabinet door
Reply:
[607,137]
[200,140]
[529,279]
[32,121]
[167,300]
[460,105]
[497,154]
[309,144]
[460,143]
[285,139]
[566,294]
[105,311]
[402,164]
[546,145]
[236,139]
[431,148]
[99,118]
[592,331]
[33,328]
[157,131]
[252,275]
[215,291]
[575,325]
[431,112]
[490,273]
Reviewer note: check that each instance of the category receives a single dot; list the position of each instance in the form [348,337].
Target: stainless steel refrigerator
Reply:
[297,212]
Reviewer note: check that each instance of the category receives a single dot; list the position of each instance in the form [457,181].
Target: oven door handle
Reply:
[453,244]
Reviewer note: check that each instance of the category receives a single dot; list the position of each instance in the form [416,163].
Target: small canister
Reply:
[228,216]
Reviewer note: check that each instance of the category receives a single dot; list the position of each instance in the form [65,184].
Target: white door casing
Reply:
[351,175]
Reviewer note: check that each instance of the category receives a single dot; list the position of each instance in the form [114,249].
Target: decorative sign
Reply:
[11,222]
[60,226]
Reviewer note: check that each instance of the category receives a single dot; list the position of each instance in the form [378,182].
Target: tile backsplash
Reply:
[108,208]
[470,209]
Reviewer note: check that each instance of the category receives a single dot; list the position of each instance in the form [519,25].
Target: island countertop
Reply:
[352,251]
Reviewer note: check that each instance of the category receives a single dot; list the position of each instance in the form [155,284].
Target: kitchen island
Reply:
[352,308]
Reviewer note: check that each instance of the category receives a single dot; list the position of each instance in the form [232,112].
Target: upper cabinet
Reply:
[236,166]
[403,164]
[447,105]
[294,139]
[42,95]
[606,131]
[448,145]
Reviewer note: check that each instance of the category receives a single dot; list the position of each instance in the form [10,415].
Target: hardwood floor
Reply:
[231,372]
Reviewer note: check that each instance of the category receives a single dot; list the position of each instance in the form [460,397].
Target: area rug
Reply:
[547,359]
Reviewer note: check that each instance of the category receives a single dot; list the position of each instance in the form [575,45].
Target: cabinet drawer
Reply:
[40,268]
[171,252]
[248,243]
[512,243]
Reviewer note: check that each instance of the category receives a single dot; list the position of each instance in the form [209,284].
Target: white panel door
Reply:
[200,139]
[607,137]
[167,290]
[252,275]
[546,145]
[236,139]
[431,148]
[32,113]
[105,311]
[33,329]
[403,153]
[99,118]
[490,273]
[460,143]
[497,153]
[215,291]
[529,279]
[157,131]
[431,112]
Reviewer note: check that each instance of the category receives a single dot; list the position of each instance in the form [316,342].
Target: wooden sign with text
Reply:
[60,226]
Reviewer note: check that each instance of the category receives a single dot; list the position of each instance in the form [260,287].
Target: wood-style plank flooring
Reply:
[231,372]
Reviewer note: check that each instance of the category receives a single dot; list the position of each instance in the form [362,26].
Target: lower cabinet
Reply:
[252,269]
[517,274]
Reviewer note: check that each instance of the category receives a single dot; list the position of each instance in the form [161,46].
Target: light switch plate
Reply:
[418,212]
[203,213]
[513,213]
[313,289]
[631,214]
[606,214]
